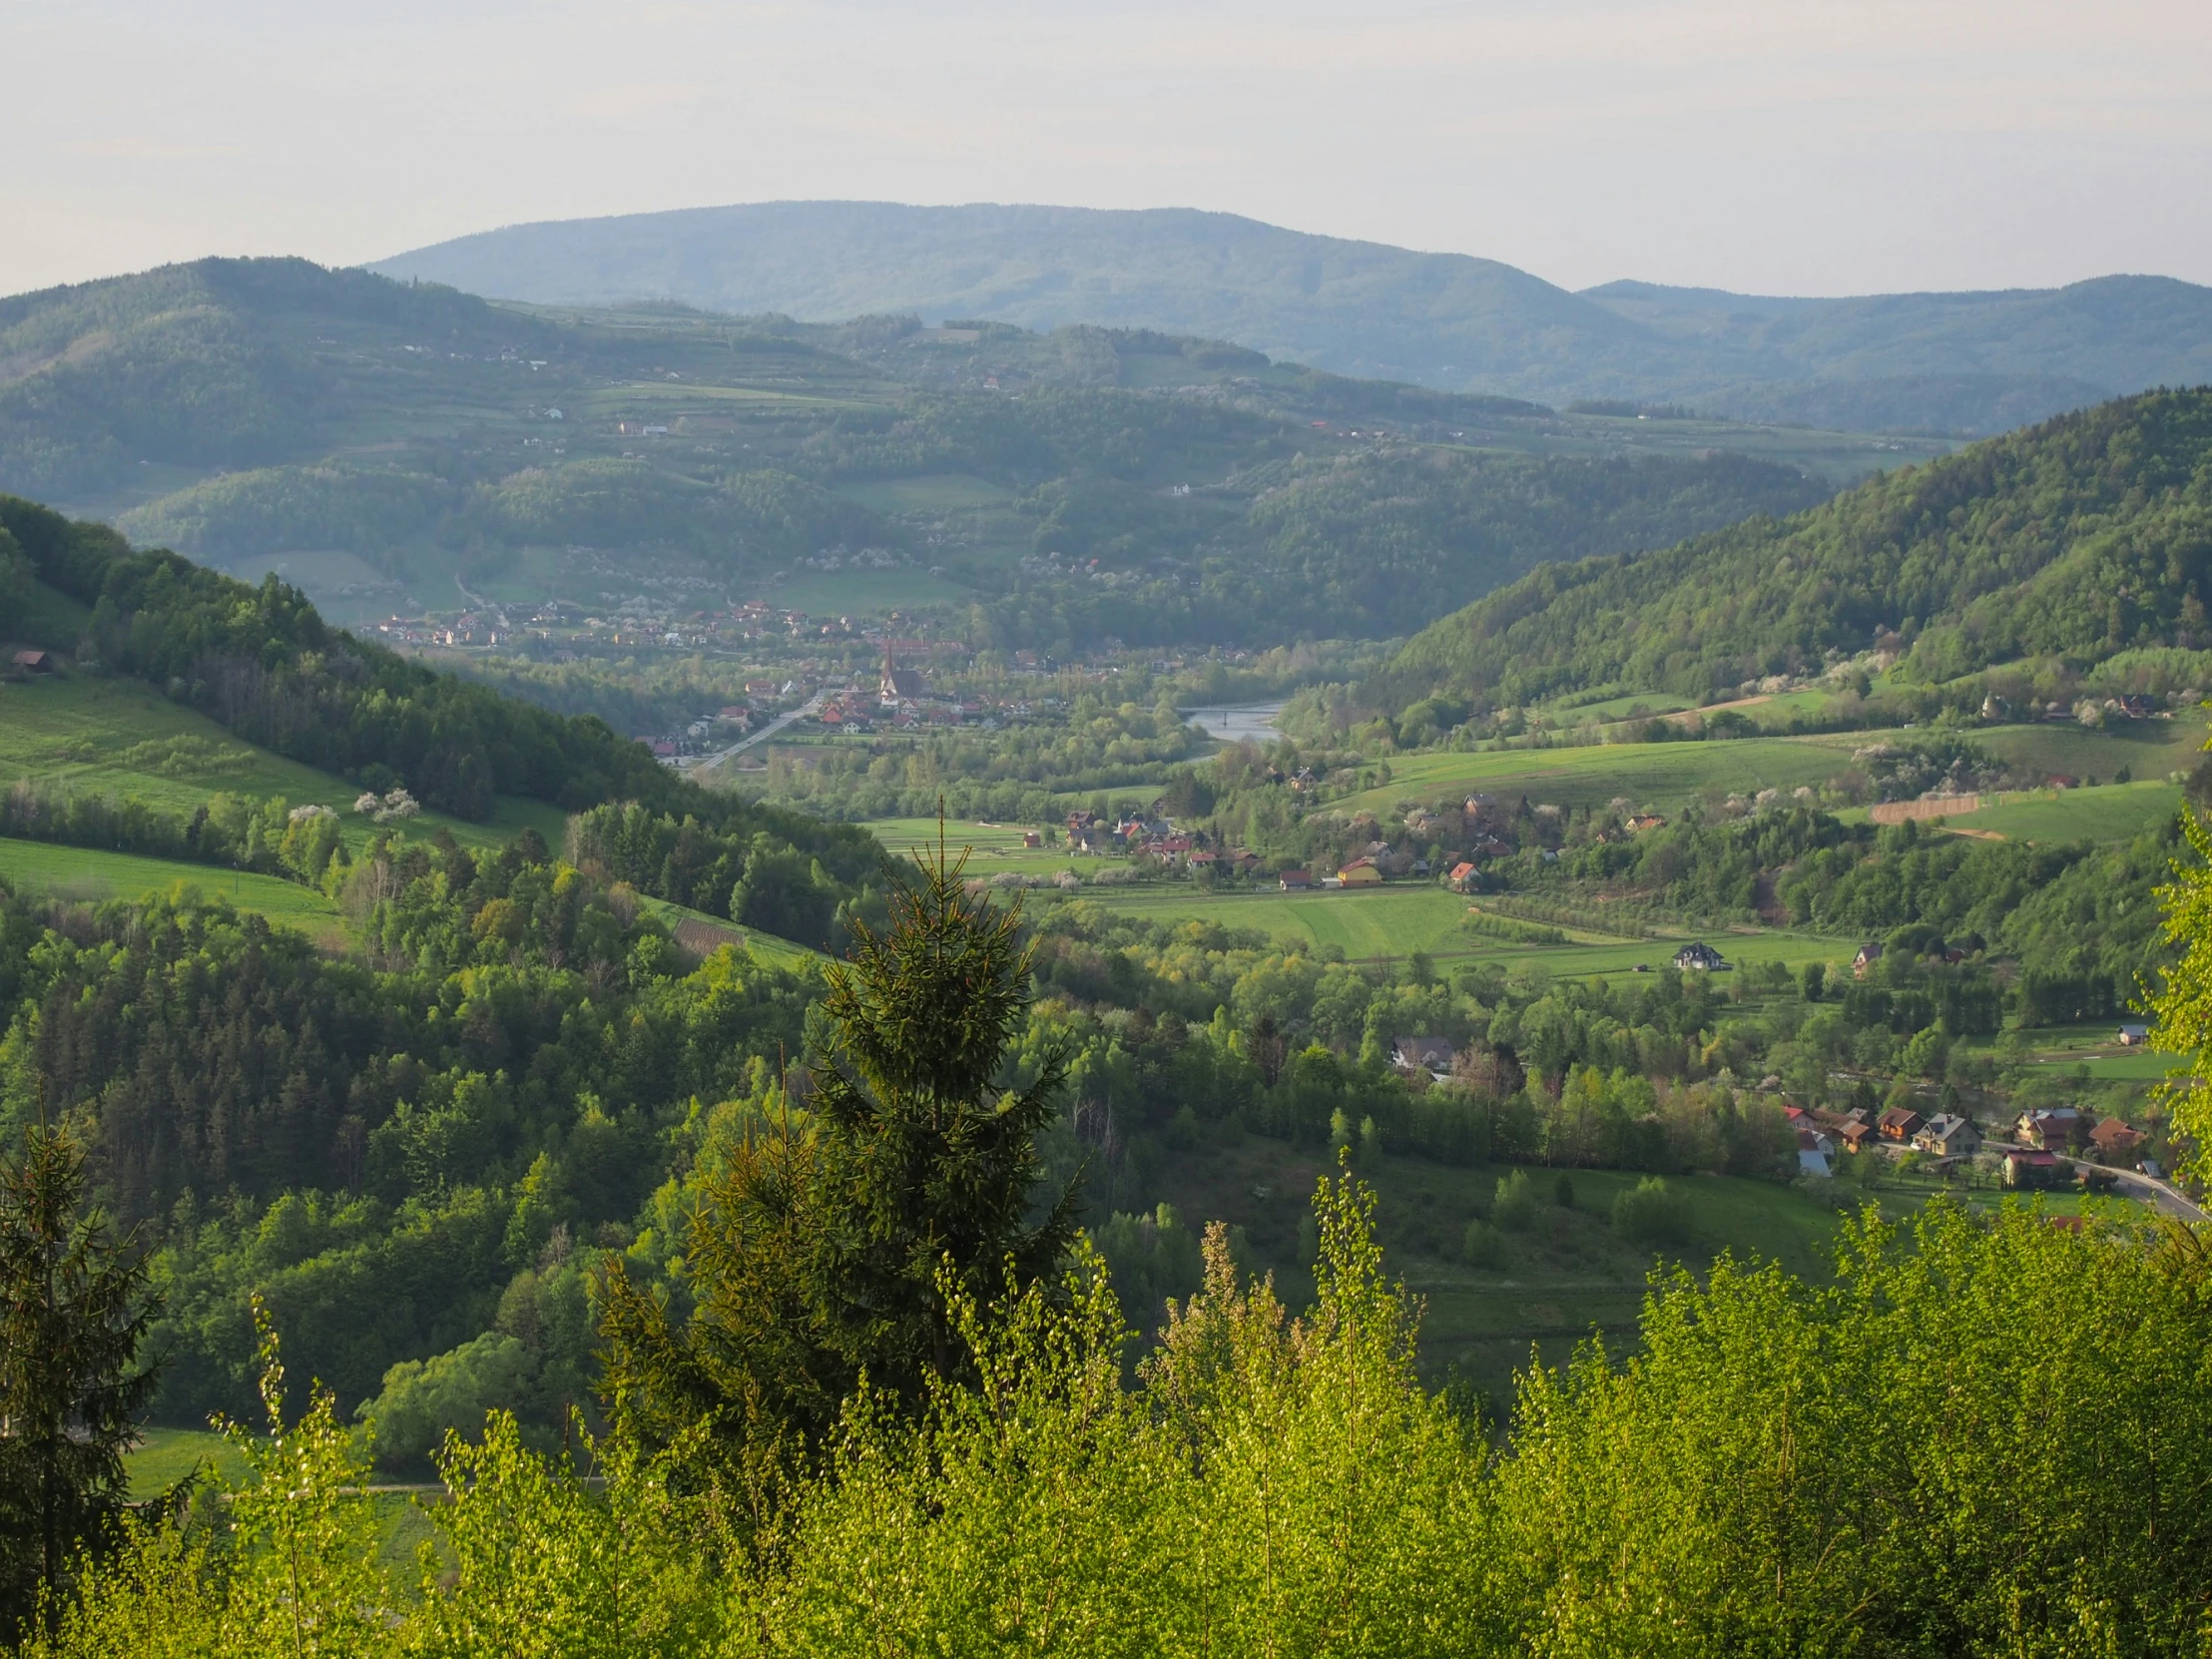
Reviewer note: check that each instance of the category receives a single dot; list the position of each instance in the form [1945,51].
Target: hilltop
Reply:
[2082,538]
[1955,362]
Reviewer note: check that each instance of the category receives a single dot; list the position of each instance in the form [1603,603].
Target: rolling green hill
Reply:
[2081,539]
[398,448]
[214,681]
[1970,363]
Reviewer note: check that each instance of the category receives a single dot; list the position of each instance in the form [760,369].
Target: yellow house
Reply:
[1361,872]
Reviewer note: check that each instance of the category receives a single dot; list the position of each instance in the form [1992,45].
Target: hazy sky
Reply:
[1777,146]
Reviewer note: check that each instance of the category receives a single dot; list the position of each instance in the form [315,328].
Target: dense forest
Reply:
[2083,537]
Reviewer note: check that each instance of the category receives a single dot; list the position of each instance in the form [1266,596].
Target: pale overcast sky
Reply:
[1772,146]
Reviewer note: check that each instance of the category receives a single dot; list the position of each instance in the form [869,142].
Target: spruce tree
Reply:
[824,1250]
[73,1311]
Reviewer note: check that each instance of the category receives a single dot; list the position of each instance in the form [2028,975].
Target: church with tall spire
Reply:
[900,684]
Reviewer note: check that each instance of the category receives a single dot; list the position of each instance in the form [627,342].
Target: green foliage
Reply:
[2084,536]
[1152,1258]
[424,1400]
[762,866]
[16,576]
[1484,1245]
[75,1307]
[1261,1485]
[1513,1207]
[401,1157]
[1653,1213]
[2181,996]
[274,837]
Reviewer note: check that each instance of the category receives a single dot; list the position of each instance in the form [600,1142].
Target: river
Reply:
[1244,720]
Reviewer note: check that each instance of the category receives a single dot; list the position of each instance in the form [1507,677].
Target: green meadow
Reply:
[839,592]
[120,737]
[1664,774]
[2111,813]
[1393,921]
[1643,774]
[75,872]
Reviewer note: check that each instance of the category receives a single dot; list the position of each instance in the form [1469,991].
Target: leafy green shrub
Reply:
[1485,1246]
[1514,1208]
[422,1398]
[1652,1213]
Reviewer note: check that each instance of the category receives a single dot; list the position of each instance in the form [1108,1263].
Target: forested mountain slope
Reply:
[424,446]
[262,663]
[2085,536]
[1973,362]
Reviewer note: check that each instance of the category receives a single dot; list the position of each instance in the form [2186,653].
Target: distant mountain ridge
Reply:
[1966,362]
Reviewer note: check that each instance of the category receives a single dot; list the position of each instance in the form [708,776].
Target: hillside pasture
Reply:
[1659,774]
[74,872]
[2111,813]
[122,737]
[1392,923]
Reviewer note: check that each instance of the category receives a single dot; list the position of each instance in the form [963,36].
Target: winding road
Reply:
[812,706]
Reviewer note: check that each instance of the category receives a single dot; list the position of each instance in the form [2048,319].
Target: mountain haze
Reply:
[1966,362]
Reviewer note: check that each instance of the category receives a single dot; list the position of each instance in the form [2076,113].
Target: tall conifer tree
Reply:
[821,1252]
[73,1311]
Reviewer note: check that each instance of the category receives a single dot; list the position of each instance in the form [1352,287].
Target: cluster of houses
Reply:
[2045,1140]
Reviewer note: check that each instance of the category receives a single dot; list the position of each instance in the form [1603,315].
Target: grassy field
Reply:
[764,947]
[2149,749]
[847,592]
[1662,775]
[166,1456]
[78,873]
[120,737]
[1656,774]
[1569,1275]
[1393,922]
[2112,813]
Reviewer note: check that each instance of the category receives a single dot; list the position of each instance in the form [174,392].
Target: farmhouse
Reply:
[1295,880]
[1700,956]
[35,662]
[1949,1136]
[1431,1054]
[2133,1035]
[2057,1126]
[1900,1124]
[2115,1140]
[1869,954]
[1361,872]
